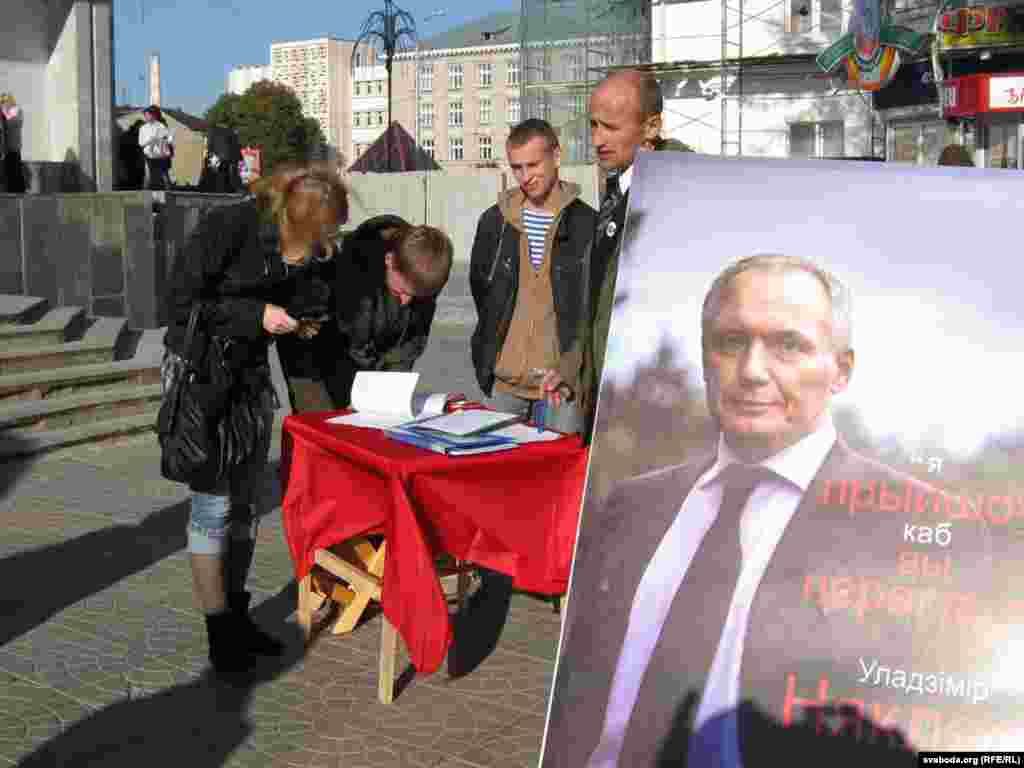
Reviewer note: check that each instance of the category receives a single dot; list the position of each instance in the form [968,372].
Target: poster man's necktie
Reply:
[689,639]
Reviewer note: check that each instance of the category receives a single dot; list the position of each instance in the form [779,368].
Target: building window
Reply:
[539,68]
[486,74]
[454,77]
[512,74]
[426,115]
[578,106]
[380,87]
[357,89]
[358,119]
[575,67]
[807,16]
[380,117]
[428,147]
[831,22]
[816,139]
[512,110]
[455,149]
[455,114]
[486,112]
[426,78]
[485,148]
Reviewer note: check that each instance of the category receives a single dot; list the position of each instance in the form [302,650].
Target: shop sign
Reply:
[975,27]
[1006,93]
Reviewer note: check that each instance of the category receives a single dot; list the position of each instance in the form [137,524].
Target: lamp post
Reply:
[416,72]
[393,29]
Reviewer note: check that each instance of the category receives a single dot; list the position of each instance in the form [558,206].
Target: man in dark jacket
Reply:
[526,275]
[385,283]
[625,116]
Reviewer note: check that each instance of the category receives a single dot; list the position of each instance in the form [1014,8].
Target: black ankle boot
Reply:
[230,662]
[251,639]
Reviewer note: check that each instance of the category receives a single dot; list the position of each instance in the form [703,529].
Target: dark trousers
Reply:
[157,170]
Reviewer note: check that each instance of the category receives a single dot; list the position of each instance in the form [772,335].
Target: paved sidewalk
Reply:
[102,653]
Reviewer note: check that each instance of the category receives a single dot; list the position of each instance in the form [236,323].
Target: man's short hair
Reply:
[530,129]
[424,256]
[839,295]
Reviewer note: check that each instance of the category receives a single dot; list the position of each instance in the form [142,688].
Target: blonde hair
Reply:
[305,199]
[7,100]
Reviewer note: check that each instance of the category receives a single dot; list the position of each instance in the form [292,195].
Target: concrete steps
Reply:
[96,346]
[20,443]
[20,309]
[55,327]
[66,380]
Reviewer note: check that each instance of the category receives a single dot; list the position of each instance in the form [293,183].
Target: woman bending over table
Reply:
[252,263]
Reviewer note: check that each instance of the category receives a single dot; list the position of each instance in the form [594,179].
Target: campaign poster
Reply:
[848,335]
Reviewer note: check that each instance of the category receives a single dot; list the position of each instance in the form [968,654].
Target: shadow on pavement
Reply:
[73,570]
[65,573]
[479,625]
[12,468]
[193,725]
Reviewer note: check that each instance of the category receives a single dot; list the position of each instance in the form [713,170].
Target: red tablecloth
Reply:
[513,511]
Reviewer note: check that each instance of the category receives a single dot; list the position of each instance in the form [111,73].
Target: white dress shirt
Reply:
[764,518]
[625,179]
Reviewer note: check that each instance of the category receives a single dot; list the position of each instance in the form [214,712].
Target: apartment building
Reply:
[369,101]
[240,79]
[320,72]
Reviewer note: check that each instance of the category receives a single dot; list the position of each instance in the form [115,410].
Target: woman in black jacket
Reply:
[249,263]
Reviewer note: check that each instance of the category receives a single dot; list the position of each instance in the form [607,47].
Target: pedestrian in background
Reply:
[158,147]
[13,170]
[248,262]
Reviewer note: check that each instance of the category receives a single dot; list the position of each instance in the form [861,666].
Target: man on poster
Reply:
[706,605]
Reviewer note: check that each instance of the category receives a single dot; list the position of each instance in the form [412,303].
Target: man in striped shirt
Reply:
[526,274]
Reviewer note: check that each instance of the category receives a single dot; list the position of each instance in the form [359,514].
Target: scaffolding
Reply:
[566,48]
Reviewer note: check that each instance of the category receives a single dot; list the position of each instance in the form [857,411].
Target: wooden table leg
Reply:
[373,560]
[305,607]
[388,660]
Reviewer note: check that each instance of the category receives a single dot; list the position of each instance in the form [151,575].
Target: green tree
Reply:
[269,116]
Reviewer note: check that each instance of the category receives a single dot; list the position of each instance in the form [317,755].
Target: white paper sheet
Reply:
[384,399]
[523,434]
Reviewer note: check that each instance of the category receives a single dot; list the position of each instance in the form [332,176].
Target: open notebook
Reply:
[383,399]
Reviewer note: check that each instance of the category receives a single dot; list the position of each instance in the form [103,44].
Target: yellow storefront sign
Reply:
[978,27]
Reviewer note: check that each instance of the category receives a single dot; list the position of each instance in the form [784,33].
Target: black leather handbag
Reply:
[196,442]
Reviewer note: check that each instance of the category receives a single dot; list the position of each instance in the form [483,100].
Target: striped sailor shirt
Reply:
[536,224]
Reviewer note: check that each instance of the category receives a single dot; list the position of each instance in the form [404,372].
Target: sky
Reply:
[928,254]
[199,41]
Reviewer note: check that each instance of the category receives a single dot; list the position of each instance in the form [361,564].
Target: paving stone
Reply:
[115,642]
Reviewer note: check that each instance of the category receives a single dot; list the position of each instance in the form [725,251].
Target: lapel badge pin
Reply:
[611,229]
